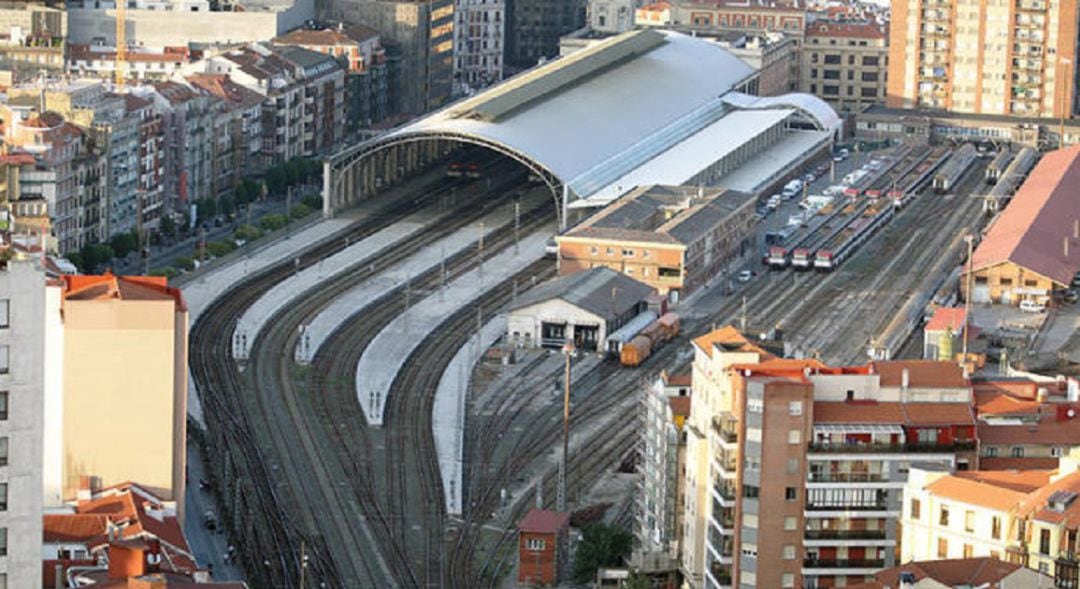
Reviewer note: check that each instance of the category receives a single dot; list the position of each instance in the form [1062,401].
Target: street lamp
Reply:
[568,351]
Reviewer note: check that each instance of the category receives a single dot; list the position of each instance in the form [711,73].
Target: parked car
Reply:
[1071,296]
[1032,306]
[745,276]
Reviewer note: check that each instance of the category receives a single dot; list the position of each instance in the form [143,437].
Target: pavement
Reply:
[256,316]
[1061,334]
[387,353]
[208,547]
[349,303]
[448,412]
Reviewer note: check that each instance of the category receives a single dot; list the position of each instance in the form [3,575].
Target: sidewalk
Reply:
[208,547]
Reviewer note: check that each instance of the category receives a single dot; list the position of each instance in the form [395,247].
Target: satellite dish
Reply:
[747,372]
[1071,413]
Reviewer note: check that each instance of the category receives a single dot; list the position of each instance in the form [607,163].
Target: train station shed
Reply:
[641,108]
[1033,248]
[582,308]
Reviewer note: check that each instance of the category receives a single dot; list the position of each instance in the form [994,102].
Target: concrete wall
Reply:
[120,394]
[22,284]
[525,322]
[160,28]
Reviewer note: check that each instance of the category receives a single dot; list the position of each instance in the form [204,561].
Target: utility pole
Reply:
[517,224]
[970,239]
[480,252]
[303,562]
[1064,99]
[742,318]
[568,351]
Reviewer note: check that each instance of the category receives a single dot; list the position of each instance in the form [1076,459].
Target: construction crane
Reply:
[121,43]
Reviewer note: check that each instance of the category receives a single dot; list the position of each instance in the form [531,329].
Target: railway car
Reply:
[455,170]
[828,259]
[946,178]
[1010,179]
[997,166]
[551,249]
[629,331]
[636,351]
[777,257]
[801,258]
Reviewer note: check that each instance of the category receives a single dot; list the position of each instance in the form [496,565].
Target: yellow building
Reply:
[125,383]
[846,64]
[1030,518]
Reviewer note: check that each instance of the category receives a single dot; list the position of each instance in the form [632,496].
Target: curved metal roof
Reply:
[588,117]
[817,110]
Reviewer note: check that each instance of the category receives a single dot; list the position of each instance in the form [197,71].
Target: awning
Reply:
[858,428]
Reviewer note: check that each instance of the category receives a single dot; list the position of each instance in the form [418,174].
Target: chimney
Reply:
[1066,243]
[905,380]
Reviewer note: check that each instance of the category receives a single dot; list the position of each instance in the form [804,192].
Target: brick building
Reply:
[542,537]
[672,238]
[739,15]
[845,64]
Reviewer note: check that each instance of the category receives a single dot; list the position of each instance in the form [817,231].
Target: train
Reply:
[1011,178]
[464,169]
[642,345]
[998,165]
[845,242]
[946,178]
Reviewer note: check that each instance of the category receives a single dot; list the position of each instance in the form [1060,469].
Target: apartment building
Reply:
[29,402]
[323,113]
[136,327]
[972,56]
[1027,517]
[237,130]
[187,123]
[673,238]
[150,170]
[838,442]
[479,35]
[143,64]
[666,407]
[845,64]
[534,28]
[33,35]
[1026,424]
[738,15]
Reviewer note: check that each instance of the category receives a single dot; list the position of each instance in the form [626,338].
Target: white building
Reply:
[478,44]
[611,16]
[659,513]
[582,308]
[30,340]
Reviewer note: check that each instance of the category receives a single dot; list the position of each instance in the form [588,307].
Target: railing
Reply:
[837,563]
[847,477]
[840,507]
[841,448]
[845,535]
[726,428]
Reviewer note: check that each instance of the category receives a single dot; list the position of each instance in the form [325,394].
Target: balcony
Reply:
[727,428]
[846,507]
[911,447]
[841,563]
[845,534]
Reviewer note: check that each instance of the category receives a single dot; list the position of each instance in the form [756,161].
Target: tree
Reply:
[273,222]
[601,546]
[220,248]
[227,205]
[94,255]
[247,232]
[168,226]
[300,211]
[276,180]
[313,200]
[206,208]
[294,171]
[185,262]
[124,243]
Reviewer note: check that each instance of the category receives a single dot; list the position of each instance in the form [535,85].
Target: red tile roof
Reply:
[976,492]
[1006,398]
[826,29]
[223,87]
[921,374]
[79,287]
[959,572]
[74,527]
[729,339]
[1034,226]
[680,406]
[946,318]
[543,521]
[1026,463]
[1051,429]
[911,414]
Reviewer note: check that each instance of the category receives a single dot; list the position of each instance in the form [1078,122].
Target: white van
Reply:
[1032,306]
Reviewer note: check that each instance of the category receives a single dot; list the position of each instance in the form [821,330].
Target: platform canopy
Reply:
[604,115]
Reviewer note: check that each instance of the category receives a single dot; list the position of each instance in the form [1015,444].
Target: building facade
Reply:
[845,64]
[733,15]
[479,35]
[660,496]
[29,404]
[1003,58]
[535,27]
[542,537]
[136,327]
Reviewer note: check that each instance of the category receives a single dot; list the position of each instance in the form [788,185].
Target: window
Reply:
[991,451]
[793,466]
[831,74]
[868,92]
[832,59]
[850,75]
[995,528]
[787,580]
[969,521]
[534,544]
[794,408]
[3,496]
[830,90]
[1017,451]
[916,507]
[3,405]
[755,405]
[1026,283]
[790,523]
[1057,451]
[628,253]
[1005,282]
[851,59]
[3,541]
[794,436]
[5,317]
[4,357]
[750,491]
[968,551]
[1044,541]
[942,548]
[869,76]
[788,552]
[943,517]
[749,550]
[791,493]
[869,60]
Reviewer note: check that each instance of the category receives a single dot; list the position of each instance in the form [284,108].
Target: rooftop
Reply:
[543,521]
[729,339]
[662,214]
[79,287]
[1037,230]
[847,30]
[984,572]
[601,291]
[910,414]
[946,318]
[921,374]
[223,87]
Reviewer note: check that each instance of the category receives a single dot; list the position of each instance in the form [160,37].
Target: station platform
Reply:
[285,292]
[387,353]
[448,412]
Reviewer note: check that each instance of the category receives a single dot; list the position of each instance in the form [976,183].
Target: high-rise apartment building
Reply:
[846,64]
[534,28]
[1002,57]
[29,395]
[125,384]
[479,32]
[660,511]
[794,468]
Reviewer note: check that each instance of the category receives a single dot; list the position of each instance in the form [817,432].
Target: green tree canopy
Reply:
[601,546]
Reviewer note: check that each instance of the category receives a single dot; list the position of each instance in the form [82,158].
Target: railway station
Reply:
[589,126]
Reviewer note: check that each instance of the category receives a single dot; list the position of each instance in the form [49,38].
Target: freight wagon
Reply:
[638,349]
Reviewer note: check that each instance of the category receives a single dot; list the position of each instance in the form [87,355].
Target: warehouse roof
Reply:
[1037,230]
[662,214]
[601,291]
